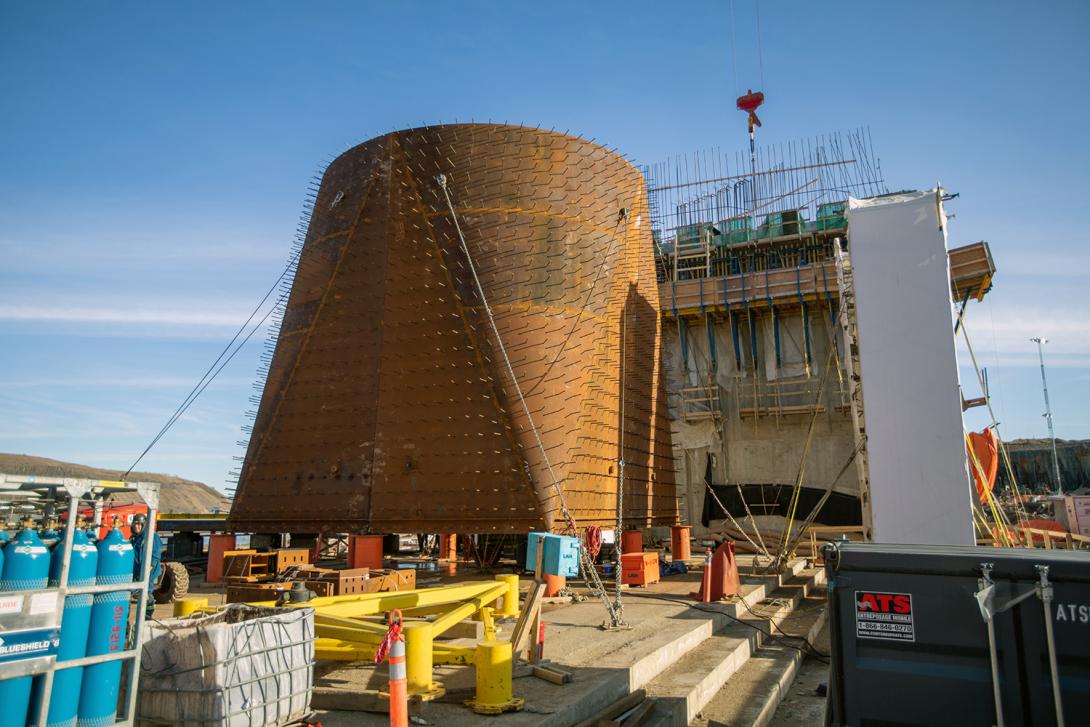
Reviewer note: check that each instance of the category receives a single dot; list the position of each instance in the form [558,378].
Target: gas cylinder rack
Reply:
[31,620]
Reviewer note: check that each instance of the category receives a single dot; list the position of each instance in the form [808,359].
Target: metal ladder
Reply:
[699,250]
[849,329]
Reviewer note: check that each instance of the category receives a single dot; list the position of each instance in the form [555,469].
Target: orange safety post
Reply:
[540,641]
[632,541]
[679,543]
[218,544]
[392,649]
[365,551]
[554,585]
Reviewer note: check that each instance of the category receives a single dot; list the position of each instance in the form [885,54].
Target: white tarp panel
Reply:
[919,475]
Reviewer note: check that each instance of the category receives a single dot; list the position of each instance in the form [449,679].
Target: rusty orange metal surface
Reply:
[388,406]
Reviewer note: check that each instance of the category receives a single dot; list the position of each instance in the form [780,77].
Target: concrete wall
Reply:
[762,450]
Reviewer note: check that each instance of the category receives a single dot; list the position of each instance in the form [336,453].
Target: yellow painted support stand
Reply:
[348,630]
[186,606]
[494,667]
[418,661]
[510,607]
[485,617]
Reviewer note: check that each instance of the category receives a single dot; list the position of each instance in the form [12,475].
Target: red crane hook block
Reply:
[750,103]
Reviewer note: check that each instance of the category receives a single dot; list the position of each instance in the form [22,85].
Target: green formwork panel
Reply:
[831,216]
[688,234]
[735,230]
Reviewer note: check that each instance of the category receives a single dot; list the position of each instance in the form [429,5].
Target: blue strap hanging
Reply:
[775,318]
[749,319]
[683,334]
[711,343]
[805,317]
[735,341]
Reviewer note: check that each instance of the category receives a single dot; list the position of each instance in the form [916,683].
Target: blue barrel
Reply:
[26,567]
[109,624]
[82,571]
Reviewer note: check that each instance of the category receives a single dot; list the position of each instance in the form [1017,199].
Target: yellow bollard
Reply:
[418,662]
[494,665]
[186,606]
[510,607]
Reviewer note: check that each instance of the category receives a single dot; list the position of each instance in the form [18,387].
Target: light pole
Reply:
[1048,414]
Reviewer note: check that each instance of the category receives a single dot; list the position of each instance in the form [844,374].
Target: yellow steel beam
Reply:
[453,654]
[338,650]
[369,604]
[470,607]
[326,649]
[348,630]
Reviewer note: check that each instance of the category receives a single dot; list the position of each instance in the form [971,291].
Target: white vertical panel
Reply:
[919,476]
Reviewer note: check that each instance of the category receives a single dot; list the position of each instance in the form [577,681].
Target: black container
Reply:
[910,643]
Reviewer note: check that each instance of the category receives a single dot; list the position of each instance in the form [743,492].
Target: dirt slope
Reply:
[177,495]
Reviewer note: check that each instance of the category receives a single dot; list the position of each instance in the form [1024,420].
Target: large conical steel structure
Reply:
[389,405]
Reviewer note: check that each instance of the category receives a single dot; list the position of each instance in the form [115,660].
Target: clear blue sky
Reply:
[154,162]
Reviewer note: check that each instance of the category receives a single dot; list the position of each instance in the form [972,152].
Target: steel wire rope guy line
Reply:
[590,573]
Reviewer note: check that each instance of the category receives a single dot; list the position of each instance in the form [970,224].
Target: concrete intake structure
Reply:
[389,406]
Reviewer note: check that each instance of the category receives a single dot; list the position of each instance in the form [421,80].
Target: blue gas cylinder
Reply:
[82,571]
[109,623]
[26,567]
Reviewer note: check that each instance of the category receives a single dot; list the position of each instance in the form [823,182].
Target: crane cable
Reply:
[797,490]
[222,359]
[995,424]
[594,581]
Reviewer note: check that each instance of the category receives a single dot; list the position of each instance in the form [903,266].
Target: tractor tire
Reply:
[173,583]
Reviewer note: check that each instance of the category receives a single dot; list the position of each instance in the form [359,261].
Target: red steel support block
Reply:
[365,551]
[217,546]
[632,541]
[448,546]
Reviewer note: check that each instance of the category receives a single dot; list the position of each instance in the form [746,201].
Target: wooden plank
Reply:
[616,709]
[549,674]
[526,616]
[641,714]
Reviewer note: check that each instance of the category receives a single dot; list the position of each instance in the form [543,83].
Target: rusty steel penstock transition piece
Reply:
[389,404]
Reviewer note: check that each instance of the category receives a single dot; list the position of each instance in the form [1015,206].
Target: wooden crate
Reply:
[390,580]
[286,557]
[337,582]
[255,592]
[237,564]
[250,566]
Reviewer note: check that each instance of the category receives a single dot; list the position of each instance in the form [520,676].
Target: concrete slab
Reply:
[606,665]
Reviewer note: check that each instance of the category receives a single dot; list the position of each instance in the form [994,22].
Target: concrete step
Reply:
[695,679]
[649,647]
[753,693]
